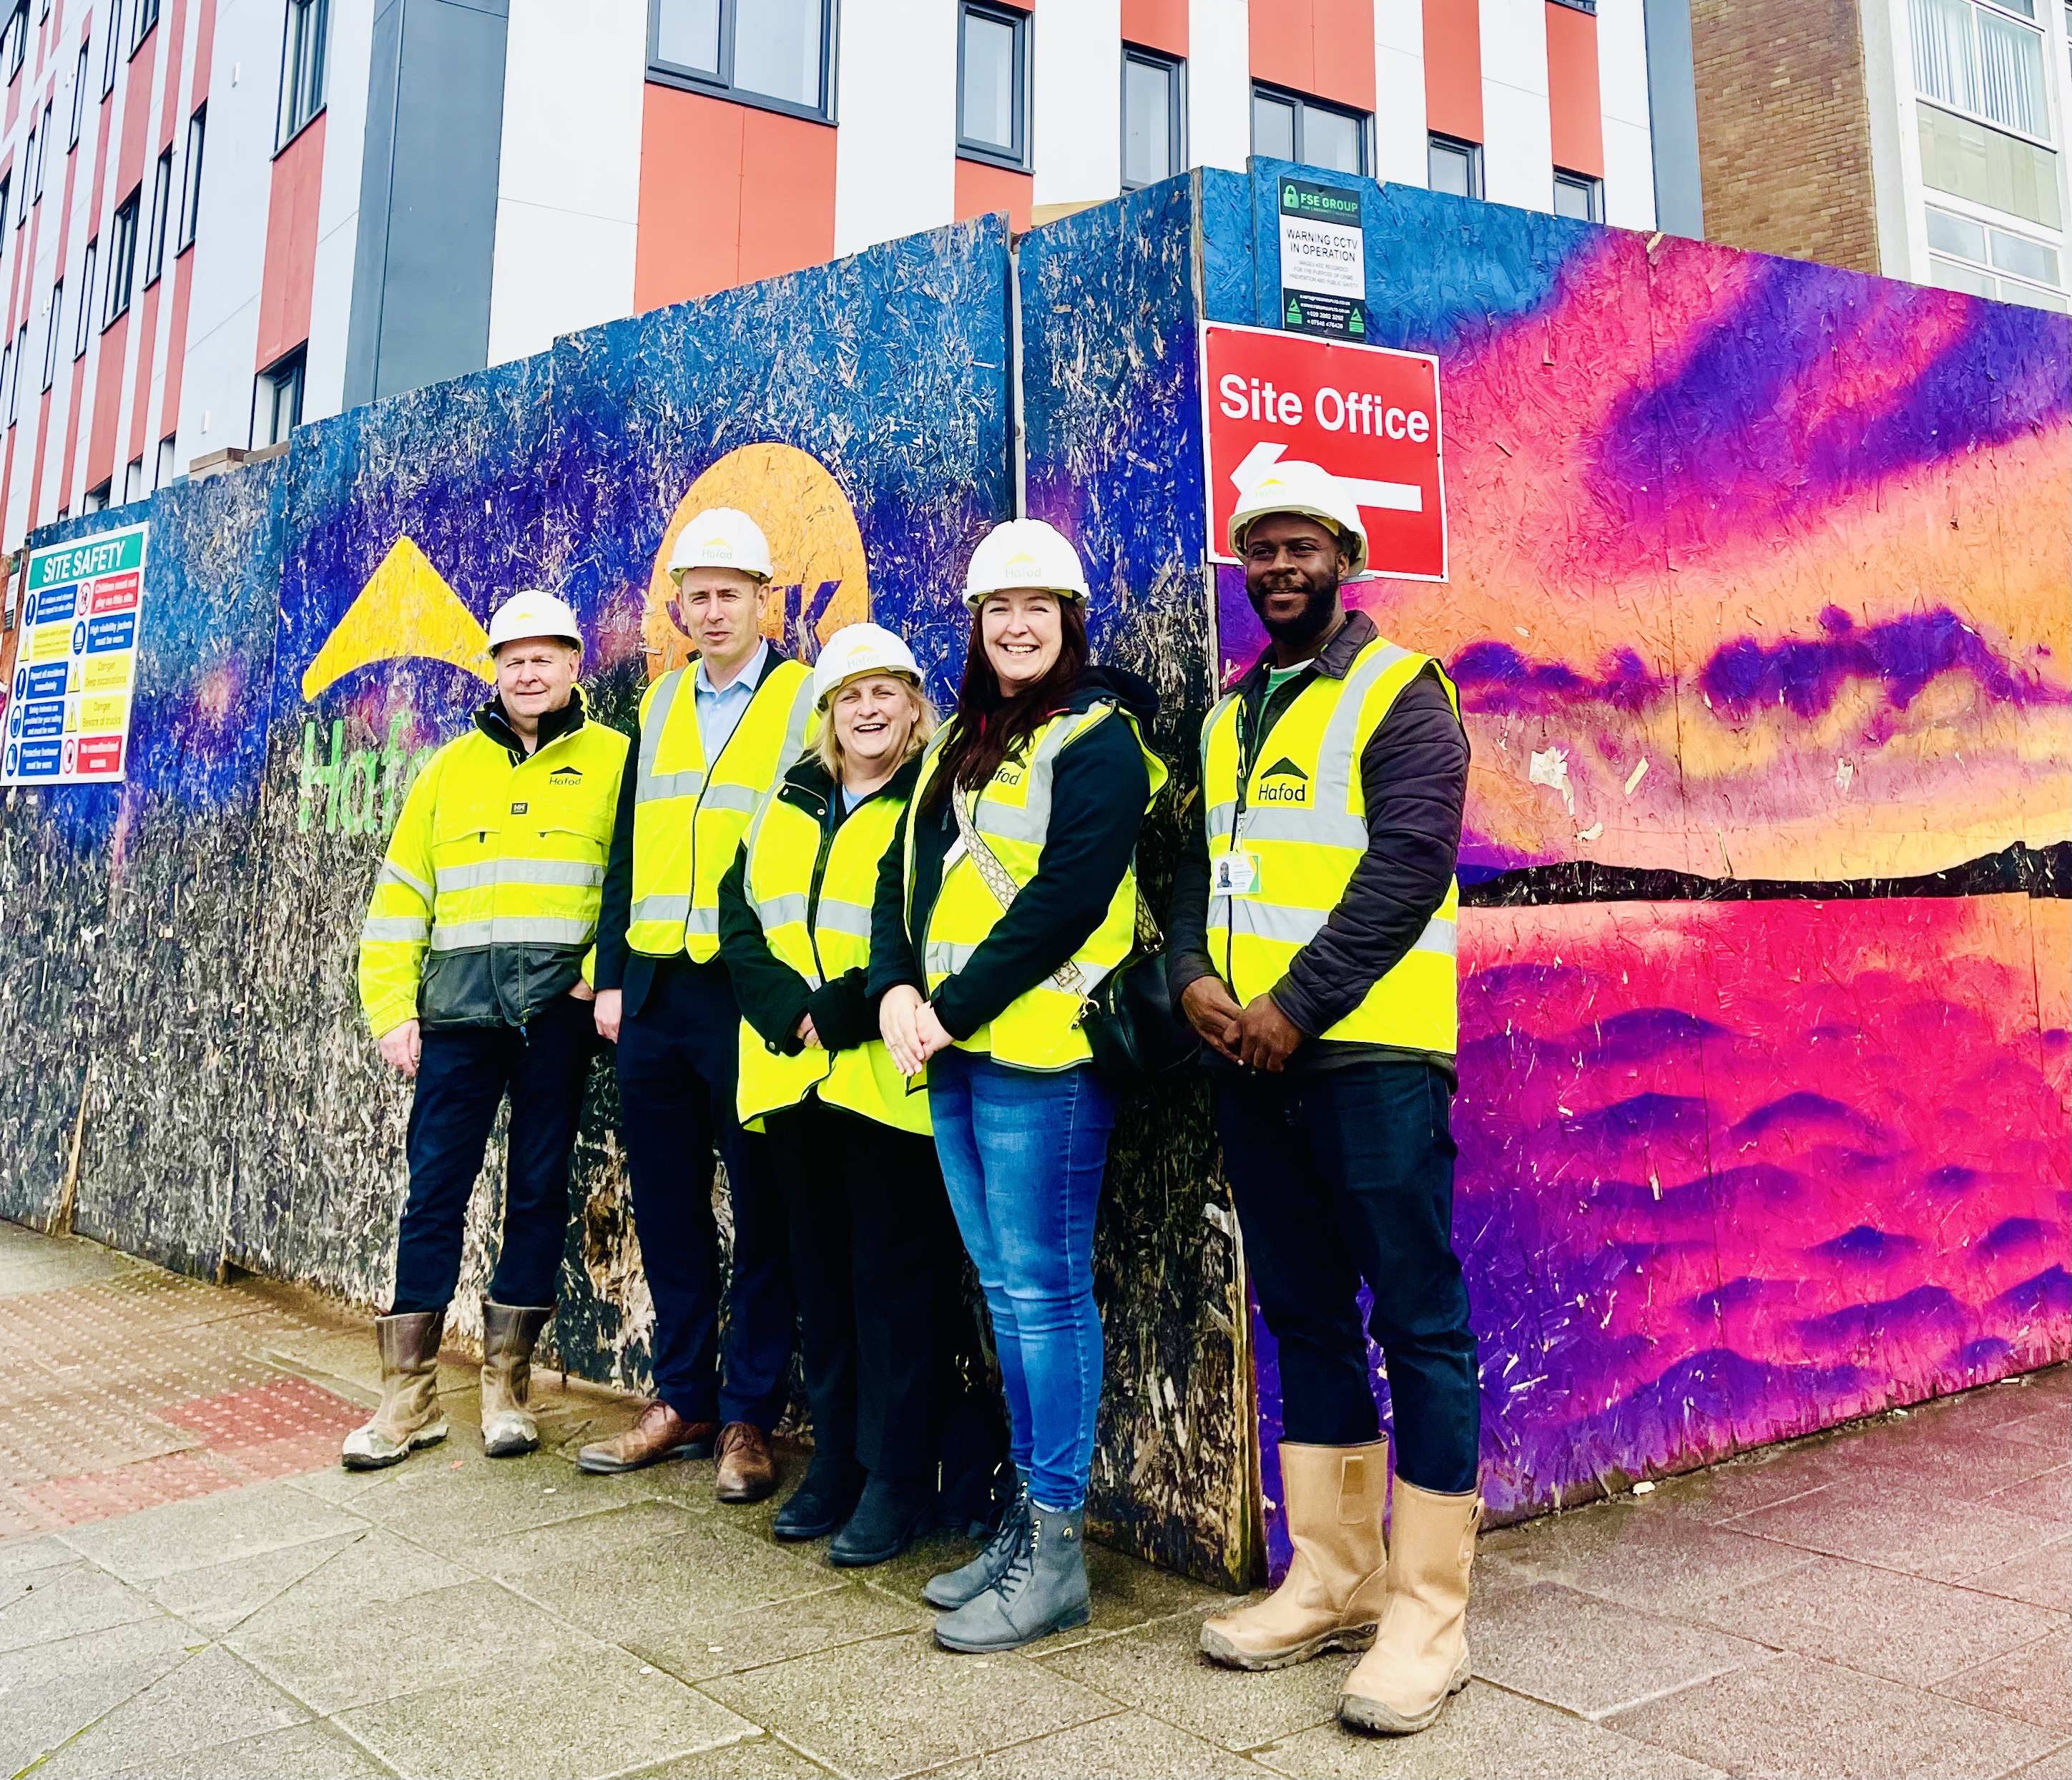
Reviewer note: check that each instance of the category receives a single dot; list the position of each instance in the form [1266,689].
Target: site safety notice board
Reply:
[69,701]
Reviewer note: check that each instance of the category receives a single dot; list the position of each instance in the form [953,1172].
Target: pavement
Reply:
[189,1586]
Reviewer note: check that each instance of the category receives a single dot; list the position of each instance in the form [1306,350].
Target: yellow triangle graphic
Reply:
[405,609]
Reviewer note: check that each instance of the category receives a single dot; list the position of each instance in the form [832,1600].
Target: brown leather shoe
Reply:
[660,1434]
[746,1472]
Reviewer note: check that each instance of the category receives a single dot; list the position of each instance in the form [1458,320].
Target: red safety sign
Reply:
[1368,414]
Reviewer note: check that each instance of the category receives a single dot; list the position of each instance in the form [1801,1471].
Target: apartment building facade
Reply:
[219,218]
[1923,139]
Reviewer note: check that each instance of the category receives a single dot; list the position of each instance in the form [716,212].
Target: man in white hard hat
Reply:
[473,961]
[1311,946]
[714,737]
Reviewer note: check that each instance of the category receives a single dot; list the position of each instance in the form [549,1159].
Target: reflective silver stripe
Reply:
[394,873]
[1318,828]
[1440,936]
[702,920]
[1292,926]
[1332,793]
[1217,819]
[948,957]
[377,928]
[511,931]
[647,788]
[777,911]
[743,797]
[519,871]
[651,789]
[661,908]
[1030,821]
[1209,728]
[795,731]
[852,918]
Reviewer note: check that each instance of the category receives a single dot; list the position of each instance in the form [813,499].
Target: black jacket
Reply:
[1414,771]
[774,997]
[1097,791]
[619,966]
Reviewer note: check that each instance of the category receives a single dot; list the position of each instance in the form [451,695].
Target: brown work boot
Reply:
[660,1434]
[1419,1659]
[409,1415]
[509,1333]
[746,1472]
[1332,1595]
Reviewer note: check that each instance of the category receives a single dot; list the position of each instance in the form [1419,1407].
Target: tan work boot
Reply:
[509,1333]
[409,1415]
[1419,1659]
[1331,1596]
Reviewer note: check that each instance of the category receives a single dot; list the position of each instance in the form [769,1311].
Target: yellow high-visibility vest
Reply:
[487,902]
[689,815]
[1292,820]
[813,892]
[1040,1028]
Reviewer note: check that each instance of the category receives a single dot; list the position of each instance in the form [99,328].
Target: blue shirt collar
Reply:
[745,681]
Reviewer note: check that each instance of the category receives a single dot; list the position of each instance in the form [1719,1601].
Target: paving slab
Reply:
[1884,1622]
[900,1703]
[2047,1495]
[456,1500]
[588,1711]
[59,1604]
[209,1530]
[764,1757]
[50,1693]
[2056,1765]
[2043,1576]
[1898,1529]
[1792,1716]
[1124,1746]
[220,1597]
[1484,1734]
[2033,1683]
[317,1750]
[2050,1427]
[846,1614]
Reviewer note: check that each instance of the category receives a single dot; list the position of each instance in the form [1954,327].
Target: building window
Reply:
[6,190]
[303,66]
[1453,166]
[112,55]
[42,149]
[14,37]
[1969,255]
[190,180]
[165,470]
[279,402]
[50,339]
[83,328]
[14,388]
[1975,57]
[133,482]
[96,500]
[147,17]
[993,85]
[162,208]
[773,53]
[1287,127]
[1578,195]
[1153,112]
[79,94]
[122,255]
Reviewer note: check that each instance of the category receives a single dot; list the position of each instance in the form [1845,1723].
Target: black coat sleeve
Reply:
[613,920]
[1188,957]
[1414,772]
[892,960]
[1098,792]
[772,996]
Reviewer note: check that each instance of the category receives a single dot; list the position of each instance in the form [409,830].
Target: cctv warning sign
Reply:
[1368,414]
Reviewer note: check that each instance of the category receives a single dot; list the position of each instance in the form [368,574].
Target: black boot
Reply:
[894,1513]
[825,1497]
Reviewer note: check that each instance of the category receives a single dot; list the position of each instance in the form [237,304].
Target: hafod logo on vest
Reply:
[822,581]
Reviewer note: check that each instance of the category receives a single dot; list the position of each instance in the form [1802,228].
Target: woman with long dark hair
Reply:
[1009,894]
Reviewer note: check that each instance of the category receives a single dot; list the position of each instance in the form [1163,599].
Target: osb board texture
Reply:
[1757,568]
[1732,1172]
[1111,408]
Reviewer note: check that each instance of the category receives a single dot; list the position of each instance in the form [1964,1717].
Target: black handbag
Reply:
[1132,1026]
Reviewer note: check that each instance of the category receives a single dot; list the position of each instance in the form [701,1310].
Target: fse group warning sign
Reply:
[76,667]
[1323,261]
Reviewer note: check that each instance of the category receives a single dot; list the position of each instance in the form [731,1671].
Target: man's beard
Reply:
[1307,625]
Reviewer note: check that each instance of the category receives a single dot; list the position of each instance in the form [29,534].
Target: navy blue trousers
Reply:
[463,1073]
[677,1060]
[1343,1175]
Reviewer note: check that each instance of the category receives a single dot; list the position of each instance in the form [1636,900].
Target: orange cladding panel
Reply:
[688,242]
[1156,24]
[1283,43]
[787,194]
[107,403]
[291,245]
[1572,88]
[983,188]
[1342,33]
[1453,68]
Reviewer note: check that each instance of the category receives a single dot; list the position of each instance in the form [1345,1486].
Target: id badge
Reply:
[1233,874]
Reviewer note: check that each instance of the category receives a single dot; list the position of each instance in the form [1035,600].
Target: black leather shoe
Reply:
[894,1513]
[825,1497]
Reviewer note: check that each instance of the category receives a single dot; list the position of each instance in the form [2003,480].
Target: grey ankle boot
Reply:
[953,1587]
[1043,1590]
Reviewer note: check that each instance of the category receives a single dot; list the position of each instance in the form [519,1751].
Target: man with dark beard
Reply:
[1311,946]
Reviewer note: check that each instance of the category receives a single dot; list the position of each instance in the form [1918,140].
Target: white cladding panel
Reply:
[1622,97]
[1400,129]
[1077,47]
[895,152]
[337,206]
[1219,82]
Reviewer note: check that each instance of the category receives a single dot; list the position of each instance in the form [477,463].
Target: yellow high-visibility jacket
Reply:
[689,814]
[1286,816]
[487,905]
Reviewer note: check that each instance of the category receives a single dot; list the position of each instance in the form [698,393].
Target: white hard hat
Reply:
[530,612]
[1024,553]
[1315,493]
[722,537]
[859,649]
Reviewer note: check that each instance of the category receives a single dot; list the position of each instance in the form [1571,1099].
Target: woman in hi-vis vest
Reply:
[874,1250]
[1011,892]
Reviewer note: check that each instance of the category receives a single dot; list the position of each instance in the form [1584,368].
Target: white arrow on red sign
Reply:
[1397,497]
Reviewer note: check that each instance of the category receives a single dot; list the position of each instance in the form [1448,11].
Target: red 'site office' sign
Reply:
[1367,414]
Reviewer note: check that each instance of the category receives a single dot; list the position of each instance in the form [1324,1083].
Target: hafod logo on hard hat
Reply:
[820,583]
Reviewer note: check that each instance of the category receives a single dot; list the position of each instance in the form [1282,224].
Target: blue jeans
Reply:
[1022,1153]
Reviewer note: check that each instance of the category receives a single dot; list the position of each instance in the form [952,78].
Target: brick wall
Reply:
[1784,129]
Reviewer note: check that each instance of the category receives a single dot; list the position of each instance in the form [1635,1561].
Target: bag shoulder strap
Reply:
[1000,882]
